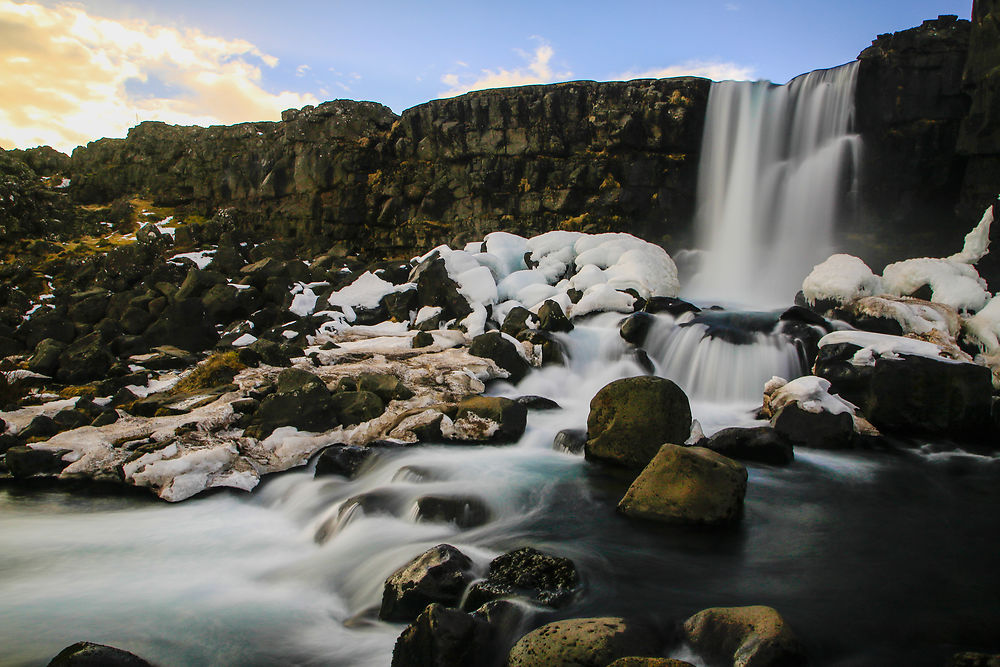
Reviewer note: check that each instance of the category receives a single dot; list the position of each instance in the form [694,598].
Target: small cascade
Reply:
[778,168]
[715,368]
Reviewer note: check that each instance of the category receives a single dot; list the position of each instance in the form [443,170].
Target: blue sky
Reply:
[226,62]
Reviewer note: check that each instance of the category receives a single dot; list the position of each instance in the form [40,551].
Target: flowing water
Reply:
[778,168]
[876,557]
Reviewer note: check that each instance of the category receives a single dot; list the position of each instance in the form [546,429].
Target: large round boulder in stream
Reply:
[439,575]
[89,654]
[583,642]
[755,636]
[300,399]
[494,345]
[687,485]
[630,418]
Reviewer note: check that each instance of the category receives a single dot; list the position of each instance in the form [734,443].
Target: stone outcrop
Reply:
[586,642]
[580,155]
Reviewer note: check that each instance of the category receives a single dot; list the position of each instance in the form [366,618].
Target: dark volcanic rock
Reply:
[443,637]
[492,345]
[763,444]
[527,573]
[570,440]
[301,400]
[343,460]
[85,359]
[510,416]
[88,654]
[822,430]
[25,461]
[438,575]
[463,511]
[635,327]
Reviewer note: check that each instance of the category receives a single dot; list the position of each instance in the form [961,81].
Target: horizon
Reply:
[78,72]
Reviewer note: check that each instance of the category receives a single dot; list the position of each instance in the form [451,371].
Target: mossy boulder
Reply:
[24,461]
[583,642]
[182,323]
[45,360]
[631,418]
[85,359]
[687,485]
[356,407]
[529,574]
[300,399]
[492,418]
[755,636]
[89,654]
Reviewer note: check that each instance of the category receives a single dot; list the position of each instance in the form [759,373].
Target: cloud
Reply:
[732,7]
[537,70]
[710,69]
[302,70]
[69,77]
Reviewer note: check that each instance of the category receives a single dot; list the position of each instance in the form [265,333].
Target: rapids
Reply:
[874,557]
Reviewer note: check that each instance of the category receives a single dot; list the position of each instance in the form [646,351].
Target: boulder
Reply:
[197,282]
[754,636]
[551,318]
[518,319]
[387,387]
[436,288]
[25,461]
[422,339]
[687,485]
[443,637]
[85,359]
[493,345]
[45,360]
[973,659]
[820,429]
[464,511]
[222,303]
[583,642]
[438,575]
[300,399]
[88,654]
[669,304]
[488,418]
[182,323]
[570,440]
[356,407]
[343,460]
[630,418]
[526,573]
[912,394]
[635,327]
[537,402]
[762,444]
[649,662]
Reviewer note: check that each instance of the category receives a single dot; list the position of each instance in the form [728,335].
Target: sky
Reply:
[72,72]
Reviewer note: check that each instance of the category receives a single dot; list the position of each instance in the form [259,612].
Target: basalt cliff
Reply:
[585,156]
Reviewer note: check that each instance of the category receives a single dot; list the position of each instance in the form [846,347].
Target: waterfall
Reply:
[778,165]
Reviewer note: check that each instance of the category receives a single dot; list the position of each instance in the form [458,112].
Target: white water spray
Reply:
[777,164]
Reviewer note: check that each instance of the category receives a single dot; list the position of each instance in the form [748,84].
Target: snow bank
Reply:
[953,283]
[876,345]
[840,278]
[811,393]
[365,292]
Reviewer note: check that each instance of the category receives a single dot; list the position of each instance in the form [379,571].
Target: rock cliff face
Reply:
[979,140]
[582,155]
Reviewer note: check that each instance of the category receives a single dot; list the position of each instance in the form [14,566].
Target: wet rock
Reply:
[23,461]
[85,359]
[972,659]
[438,575]
[465,512]
[518,319]
[630,418]
[821,430]
[553,350]
[755,636]
[442,637]
[492,345]
[551,318]
[762,444]
[88,654]
[570,440]
[583,642]
[537,403]
[635,327]
[526,573]
[912,395]
[649,662]
[301,400]
[687,485]
[669,304]
[492,418]
[356,407]
[344,460]
[45,360]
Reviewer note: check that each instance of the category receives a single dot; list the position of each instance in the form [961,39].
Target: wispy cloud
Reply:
[69,77]
[732,7]
[710,69]
[537,69]
[302,70]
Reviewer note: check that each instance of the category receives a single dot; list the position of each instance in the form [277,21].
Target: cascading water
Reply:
[778,163]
